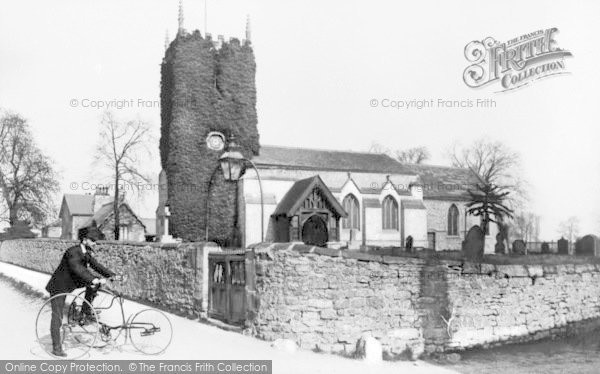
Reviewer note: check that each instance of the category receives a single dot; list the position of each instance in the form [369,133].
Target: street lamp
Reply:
[232,163]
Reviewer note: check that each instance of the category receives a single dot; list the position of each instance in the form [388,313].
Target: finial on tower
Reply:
[248,30]
[180,18]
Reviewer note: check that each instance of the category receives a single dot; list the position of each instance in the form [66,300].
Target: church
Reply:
[340,199]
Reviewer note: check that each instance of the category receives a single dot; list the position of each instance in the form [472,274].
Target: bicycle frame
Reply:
[125,325]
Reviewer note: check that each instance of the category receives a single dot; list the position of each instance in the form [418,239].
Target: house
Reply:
[78,211]
[131,228]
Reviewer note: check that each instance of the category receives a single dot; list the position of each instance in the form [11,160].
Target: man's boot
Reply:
[58,351]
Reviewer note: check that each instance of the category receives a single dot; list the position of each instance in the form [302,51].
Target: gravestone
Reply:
[409,243]
[499,247]
[587,246]
[518,247]
[473,244]
[563,246]
[545,248]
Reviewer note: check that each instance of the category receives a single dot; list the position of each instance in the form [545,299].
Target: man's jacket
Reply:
[73,272]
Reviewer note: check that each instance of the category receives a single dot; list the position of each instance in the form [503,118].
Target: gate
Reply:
[227,286]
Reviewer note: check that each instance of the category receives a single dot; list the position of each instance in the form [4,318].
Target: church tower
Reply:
[206,87]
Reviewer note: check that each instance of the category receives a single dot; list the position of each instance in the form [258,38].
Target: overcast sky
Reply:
[319,65]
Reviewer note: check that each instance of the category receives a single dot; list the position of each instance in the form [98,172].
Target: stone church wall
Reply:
[437,221]
[169,276]
[325,299]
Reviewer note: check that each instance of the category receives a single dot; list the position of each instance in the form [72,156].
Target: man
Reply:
[72,273]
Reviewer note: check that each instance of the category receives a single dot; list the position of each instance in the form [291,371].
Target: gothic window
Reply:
[351,207]
[453,220]
[390,213]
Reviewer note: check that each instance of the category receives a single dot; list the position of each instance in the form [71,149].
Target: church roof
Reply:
[296,195]
[319,159]
[443,182]
[438,182]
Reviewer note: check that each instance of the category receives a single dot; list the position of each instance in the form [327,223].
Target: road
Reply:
[191,339]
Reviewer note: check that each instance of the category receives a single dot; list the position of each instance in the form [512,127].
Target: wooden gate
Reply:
[227,286]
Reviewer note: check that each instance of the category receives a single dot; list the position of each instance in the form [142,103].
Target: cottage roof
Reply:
[79,204]
[150,224]
[104,213]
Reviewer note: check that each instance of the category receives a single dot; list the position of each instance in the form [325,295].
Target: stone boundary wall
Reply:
[325,299]
[514,303]
[170,276]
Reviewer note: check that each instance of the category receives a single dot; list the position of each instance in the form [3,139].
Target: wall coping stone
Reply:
[468,267]
[118,242]
[361,256]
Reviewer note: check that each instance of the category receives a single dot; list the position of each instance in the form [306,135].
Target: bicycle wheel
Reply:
[150,331]
[76,335]
[108,310]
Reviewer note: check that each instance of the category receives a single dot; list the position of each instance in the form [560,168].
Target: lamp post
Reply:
[232,163]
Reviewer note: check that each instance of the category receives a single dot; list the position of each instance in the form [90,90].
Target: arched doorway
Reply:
[314,231]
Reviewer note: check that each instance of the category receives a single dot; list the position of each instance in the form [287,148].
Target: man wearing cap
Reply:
[72,273]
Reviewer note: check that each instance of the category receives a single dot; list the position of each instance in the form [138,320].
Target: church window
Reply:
[351,207]
[453,220]
[390,213]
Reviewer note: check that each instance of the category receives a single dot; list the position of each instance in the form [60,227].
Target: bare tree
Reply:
[569,228]
[491,162]
[415,155]
[27,178]
[378,148]
[122,145]
[525,225]
[494,166]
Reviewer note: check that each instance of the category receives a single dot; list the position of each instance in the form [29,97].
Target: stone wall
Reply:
[510,303]
[437,221]
[169,276]
[325,299]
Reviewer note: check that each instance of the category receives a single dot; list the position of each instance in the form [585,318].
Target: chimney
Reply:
[101,197]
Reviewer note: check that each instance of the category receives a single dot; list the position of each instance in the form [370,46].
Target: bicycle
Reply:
[85,326]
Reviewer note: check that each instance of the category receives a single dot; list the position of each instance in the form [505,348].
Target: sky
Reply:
[320,65]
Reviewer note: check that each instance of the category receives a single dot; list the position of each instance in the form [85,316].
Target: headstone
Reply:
[545,248]
[409,243]
[587,246]
[499,247]
[369,348]
[563,246]
[519,247]
[473,244]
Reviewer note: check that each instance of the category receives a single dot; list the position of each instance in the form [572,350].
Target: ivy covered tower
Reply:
[207,86]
